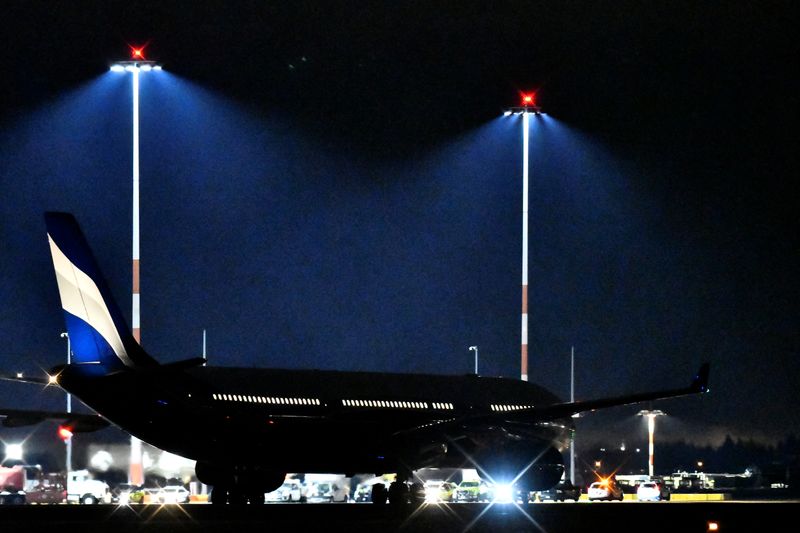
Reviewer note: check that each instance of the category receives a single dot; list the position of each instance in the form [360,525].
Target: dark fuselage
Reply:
[320,421]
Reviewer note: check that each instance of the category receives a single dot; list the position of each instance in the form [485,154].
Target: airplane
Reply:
[247,427]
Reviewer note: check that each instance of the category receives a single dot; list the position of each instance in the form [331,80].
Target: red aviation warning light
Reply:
[137,53]
[527,104]
[528,99]
[64,433]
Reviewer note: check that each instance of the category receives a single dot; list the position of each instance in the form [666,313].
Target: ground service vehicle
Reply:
[128,494]
[366,491]
[12,485]
[561,492]
[512,429]
[27,484]
[173,494]
[606,489]
[653,491]
[446,491]
[325,491]
[472,491]
[81,488]
[363,493]
[439,491]
[290,491]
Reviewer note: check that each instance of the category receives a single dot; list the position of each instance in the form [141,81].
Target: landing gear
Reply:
[402,493]
[379,493]
[238,485]
[219,495]
[255,497]
[398,493]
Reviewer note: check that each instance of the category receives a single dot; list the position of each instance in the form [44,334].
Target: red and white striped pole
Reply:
[136,64]
[136,471]
[524,332]
[651,430]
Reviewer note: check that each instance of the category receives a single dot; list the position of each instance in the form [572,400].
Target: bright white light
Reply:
[131,68]
[157,67]
[146,68]
[19,375]
[503,493]
[507,114]
[117,68]
[432,494]
[102,461]
[14,451]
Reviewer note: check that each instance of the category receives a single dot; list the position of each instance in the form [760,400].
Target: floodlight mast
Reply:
[68,442]
[528,107]
[137,64]
[651,415]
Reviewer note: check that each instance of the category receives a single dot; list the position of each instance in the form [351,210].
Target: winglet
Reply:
[700,381]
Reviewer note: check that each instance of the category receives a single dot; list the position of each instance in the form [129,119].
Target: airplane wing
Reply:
[557,411]
[699,385]
[21,378]
[77,422]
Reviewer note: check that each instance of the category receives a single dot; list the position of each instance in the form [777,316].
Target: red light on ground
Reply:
[528,99]
[64,433]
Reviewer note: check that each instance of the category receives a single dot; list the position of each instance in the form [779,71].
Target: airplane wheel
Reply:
[236,497]
[256,497]
[219,495]
[379,494]
[417,493]
[398,493]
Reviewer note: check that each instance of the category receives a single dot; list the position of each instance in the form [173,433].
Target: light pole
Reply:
[528,106]
[475,349]
[68,442]
[651,430]
[135,65]
[572,399]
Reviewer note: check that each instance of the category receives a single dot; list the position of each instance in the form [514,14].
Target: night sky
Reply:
[333,185]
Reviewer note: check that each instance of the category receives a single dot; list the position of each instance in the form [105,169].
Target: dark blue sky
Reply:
[335,188]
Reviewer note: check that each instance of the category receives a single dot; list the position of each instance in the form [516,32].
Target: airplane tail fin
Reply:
[98,334]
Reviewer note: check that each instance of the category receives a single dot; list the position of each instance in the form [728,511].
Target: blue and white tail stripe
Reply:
[98,333]
[86,311]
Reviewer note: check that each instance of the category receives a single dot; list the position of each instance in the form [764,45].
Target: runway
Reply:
[598,517]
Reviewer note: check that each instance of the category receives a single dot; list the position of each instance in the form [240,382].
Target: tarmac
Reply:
[598,517]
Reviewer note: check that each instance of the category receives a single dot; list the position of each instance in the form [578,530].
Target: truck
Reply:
[327,488]
[83,489]
[22,484]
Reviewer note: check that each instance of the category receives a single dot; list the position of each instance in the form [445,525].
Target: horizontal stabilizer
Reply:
[180,365]
[77,422]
